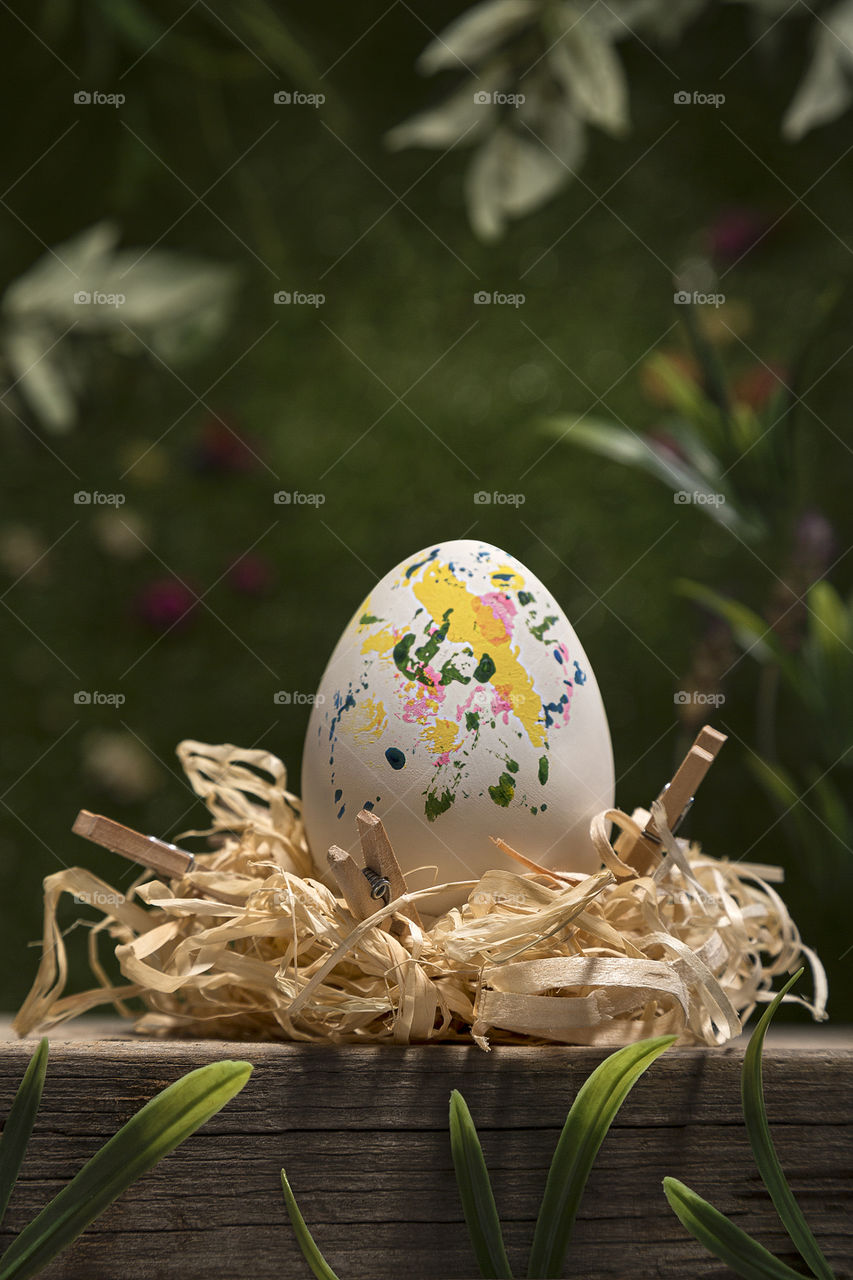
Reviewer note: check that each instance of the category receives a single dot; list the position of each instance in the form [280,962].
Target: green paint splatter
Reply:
[413,667]
[366,619]
[449,673]
[539,631]
[513,765]
[472,719]
[437,804]
[524,598]
[504,790]
[533,809]
[543,769]
[485,668]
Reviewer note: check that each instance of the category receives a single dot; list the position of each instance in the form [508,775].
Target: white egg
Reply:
[458,704]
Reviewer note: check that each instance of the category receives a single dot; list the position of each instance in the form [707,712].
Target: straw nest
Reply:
[251,945]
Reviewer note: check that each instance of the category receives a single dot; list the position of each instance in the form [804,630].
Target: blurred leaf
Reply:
[475,34]
[684,392]
[827,87]
[160,1126]
[312,1255]
[523,162]
[720,1236]
[19,1124]
[40,376]
[475,1191]
[619,444]
[588,1121]
[133,21]
[458,118]
[585,61]
[764,1153]
[755,636]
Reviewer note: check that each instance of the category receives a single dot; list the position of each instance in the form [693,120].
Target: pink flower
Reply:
[250,575]
[735,232]
[164,604]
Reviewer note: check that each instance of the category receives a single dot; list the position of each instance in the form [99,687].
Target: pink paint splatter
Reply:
[417,709]
[479,692]
[502,606]
[501,705]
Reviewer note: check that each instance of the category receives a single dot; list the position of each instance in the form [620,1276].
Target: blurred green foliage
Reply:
[397,399]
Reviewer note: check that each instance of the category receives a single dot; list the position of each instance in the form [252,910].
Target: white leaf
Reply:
[587,65]
[48,287]
[40,379]
[514,172]
[459,116]
[476,34]
[826,89]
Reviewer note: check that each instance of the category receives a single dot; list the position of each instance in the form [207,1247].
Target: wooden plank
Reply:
[363,1134]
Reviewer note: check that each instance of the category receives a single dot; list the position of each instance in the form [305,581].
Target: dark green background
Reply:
[397,300]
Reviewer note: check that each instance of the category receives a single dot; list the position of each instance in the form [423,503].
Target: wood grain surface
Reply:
[363,1135]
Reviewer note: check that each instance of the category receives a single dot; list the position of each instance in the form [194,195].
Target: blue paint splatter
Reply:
[414,567]
[558,655]
[338,795]
[341,811]
[556,708]
[368,804]
[395,757]
[580,676]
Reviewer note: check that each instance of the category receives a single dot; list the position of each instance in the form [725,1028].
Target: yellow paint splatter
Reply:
[367,720]
[442,736]
[474,624]
[505,577]
[380,641]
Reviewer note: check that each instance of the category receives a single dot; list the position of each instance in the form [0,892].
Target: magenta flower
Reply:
[734,232]
[251,575]
[164,604]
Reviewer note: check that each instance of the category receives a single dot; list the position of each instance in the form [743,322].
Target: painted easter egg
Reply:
[458,704]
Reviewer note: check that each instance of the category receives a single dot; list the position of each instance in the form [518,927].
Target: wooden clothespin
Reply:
[158,855]
[376,877]
[644,852]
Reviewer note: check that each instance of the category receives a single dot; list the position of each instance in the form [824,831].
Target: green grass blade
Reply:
[475,1192]
[758,1130]
[19,1125]
[592,1113]
[720,1236]
[312,1255]
[160,1126]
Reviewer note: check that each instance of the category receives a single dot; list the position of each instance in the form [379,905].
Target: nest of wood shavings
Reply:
[250,945]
